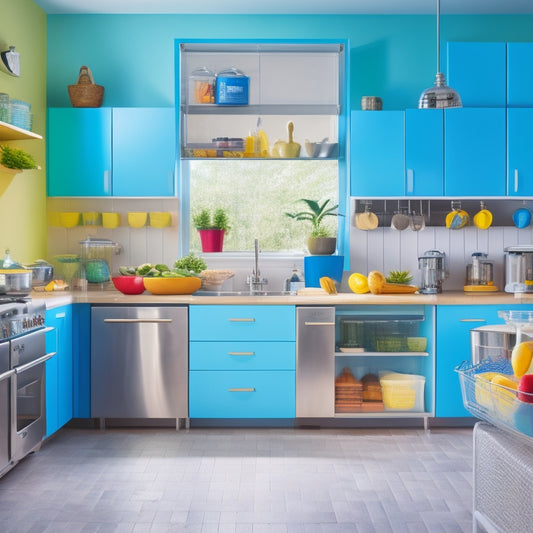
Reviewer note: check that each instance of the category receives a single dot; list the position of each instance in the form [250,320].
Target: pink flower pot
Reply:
[212,239]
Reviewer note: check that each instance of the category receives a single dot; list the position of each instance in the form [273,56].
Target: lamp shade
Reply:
[439,96]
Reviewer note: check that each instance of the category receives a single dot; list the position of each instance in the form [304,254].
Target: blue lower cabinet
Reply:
[59,369]
[250,394]
[81,325]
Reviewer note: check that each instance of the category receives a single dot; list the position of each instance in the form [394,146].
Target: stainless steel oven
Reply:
[5,391]
[28,407]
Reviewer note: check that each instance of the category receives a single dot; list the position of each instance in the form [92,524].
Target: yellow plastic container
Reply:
[137,219]
[91,218]
[111,220]
[159,219]
[69,219]
[402,392]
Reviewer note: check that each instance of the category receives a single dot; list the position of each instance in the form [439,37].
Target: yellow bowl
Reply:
[172,285]
[111,220]
[159,219]
[137,219]
[69,220]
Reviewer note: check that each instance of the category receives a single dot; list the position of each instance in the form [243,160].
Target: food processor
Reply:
[479,274]
[432,271]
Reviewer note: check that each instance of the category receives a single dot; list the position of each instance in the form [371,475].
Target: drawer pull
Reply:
[241,353]
[319,323]
[245,389]
[472,320]
[241,319]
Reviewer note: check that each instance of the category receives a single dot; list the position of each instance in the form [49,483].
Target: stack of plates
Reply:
[20,114]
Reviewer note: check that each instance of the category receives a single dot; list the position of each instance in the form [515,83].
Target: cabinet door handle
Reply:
[107,182]
[241,319]
[472,320]
[319,323]
[245,389]
[515,180]
[410,180]
[60,315]
[241,353]
[138,320]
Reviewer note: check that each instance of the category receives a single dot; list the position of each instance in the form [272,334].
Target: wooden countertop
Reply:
[112,297]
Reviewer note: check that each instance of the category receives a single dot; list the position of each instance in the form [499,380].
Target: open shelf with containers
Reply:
[297,81]
[395,345]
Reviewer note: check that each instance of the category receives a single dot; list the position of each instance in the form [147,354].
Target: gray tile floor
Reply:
[243,481]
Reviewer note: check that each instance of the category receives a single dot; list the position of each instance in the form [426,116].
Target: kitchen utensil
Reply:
[290,149]
[111,220]
[432,271]
[186,285]
[137,219]
[129,284]
[483,218]
[313,148]
[42,272]
[417,222]
[91,218]
[399,221]
[522,217]
[479,274]
[159,219]
[367,220]
[519,268]
[11,61]
[371,103]
[456,219]
[69,219]
[15,280]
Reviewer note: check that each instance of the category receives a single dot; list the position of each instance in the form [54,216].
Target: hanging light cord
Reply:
[438,35]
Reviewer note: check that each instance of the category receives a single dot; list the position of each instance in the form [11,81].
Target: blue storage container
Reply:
[232,87]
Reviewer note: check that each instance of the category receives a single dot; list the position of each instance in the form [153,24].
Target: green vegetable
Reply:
[190,263]
[16,158]
[399,276]
[162,268]
[127,271]
[144,269]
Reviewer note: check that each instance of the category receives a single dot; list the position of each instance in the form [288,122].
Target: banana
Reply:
[328,285]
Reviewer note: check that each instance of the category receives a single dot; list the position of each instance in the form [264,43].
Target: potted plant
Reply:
[15,159]
[320,240]
[212,227]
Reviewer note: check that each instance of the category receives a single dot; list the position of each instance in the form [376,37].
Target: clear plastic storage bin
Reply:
[402,392]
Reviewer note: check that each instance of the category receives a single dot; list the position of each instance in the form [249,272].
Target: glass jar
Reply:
[202,86]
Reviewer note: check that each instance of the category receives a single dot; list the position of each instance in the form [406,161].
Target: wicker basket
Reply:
[86,93]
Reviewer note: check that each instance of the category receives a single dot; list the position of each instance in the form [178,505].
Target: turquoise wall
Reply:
[132,55]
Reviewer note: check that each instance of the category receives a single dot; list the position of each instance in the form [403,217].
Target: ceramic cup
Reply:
[522,217]
[483,219]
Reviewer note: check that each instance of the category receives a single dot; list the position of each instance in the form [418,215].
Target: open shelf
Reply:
[8,132]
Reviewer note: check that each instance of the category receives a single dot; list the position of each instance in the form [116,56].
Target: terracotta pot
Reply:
[321,245]
[212,239]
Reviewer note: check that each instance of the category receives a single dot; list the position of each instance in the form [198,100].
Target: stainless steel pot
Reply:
[15,282]
[42,272]
[494,341]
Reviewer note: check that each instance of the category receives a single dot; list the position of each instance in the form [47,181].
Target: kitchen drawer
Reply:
[254,394]
[238,355]
[242,322]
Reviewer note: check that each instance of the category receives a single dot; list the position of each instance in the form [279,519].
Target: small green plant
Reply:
[218,220]
[399,276]
[315,215]
[16,158]
[191,263]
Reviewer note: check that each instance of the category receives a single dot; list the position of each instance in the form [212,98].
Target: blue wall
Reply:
[132,55]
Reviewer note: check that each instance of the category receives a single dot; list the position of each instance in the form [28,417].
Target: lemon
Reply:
[522,359]
[328,285]
[358,283]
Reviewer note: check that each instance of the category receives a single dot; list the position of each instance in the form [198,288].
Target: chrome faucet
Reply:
[255,281]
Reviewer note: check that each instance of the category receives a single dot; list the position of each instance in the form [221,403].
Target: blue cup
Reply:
[522,217]
[317,266]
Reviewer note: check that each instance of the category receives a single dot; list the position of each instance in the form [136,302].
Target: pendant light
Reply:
[439,96]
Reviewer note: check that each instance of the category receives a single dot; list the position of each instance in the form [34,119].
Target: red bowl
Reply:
[129,284]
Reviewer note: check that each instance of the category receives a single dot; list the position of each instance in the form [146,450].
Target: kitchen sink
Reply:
[245,293]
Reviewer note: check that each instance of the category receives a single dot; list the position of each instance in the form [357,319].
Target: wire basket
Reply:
[493,402]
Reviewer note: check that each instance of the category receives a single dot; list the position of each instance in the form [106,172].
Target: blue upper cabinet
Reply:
[111,152]
[144,149]
[520,74]
[477,71]
[519,153]
[377,155]
[474,154]
[79,152]
[424,152]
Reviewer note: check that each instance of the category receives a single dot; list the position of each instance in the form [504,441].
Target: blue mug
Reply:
[522,217]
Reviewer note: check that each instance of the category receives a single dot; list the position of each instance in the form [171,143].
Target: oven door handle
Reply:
[39,361]
[6,375]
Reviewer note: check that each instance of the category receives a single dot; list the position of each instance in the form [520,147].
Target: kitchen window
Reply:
[257,194]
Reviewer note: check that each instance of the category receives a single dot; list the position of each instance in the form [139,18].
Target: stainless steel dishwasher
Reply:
[315,362]
[139,362]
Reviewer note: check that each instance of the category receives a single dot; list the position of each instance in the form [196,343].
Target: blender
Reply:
[432,271]
[96,261]
[479,274]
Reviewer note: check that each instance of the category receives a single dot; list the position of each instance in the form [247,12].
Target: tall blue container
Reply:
[317,266]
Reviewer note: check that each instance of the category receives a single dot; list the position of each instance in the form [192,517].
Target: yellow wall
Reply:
[23,199]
